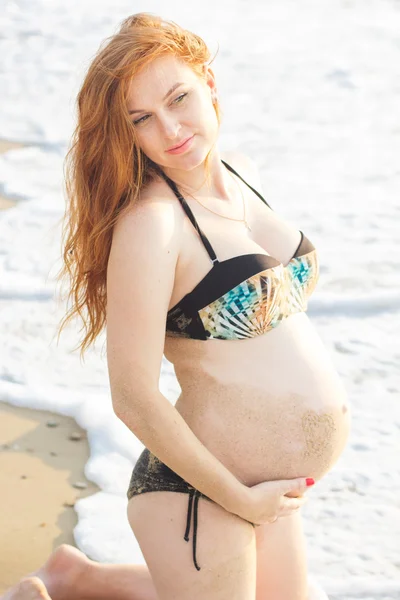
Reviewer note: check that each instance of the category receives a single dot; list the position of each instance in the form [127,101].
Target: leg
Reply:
[282,562]
[226,549]
[111,582]
[68,574]
[62,575]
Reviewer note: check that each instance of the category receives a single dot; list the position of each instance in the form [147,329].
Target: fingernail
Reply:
[310,481]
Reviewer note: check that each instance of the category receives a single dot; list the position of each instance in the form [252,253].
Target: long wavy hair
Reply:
[104,168]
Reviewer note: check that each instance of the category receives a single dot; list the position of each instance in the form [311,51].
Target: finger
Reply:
[293,495]
[292,503]
[298,486]
[286,512]
[272,519]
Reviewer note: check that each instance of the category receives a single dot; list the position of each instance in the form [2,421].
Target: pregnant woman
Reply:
[172,246]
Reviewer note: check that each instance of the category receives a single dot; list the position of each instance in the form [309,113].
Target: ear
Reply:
[210,79]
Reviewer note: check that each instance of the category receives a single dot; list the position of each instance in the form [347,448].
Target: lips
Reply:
[180,144]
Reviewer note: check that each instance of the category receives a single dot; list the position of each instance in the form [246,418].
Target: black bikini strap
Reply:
[188,211]
[240,177]
[193,494]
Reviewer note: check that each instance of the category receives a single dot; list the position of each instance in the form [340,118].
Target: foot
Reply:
[60,578]
[29,588]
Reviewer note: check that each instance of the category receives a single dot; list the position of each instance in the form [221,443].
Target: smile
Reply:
[182,148]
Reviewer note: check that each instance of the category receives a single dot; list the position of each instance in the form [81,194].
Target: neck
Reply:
[194,181]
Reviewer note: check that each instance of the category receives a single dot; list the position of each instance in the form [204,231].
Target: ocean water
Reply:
[310,90]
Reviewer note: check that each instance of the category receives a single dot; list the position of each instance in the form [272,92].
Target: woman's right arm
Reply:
[140,279]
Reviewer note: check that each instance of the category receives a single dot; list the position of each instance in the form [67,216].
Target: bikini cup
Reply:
[245,295]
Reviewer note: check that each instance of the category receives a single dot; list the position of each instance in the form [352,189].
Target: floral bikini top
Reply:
[244,296]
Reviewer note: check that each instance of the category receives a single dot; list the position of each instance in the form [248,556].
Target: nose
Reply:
[170,127]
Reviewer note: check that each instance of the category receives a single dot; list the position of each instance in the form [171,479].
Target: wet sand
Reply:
[39,466]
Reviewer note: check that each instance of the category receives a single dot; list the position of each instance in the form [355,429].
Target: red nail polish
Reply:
[310,481]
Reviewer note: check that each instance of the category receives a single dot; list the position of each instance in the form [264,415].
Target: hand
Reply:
[269,500]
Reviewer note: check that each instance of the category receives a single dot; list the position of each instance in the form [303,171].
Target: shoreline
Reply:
[42,458]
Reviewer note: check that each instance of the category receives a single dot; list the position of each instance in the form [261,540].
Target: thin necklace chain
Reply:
[244,203]
[243,220]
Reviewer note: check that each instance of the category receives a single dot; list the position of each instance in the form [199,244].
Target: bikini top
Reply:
[244,296]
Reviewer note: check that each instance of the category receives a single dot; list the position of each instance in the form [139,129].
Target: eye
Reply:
[180,98]
[141,120]
[177,100]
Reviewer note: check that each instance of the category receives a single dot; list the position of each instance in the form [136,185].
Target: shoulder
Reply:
[154,213]
[147,239]
[244,165]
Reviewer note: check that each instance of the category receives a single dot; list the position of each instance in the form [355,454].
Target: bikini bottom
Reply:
[152,475]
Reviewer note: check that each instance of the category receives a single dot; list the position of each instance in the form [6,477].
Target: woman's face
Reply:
[163,118]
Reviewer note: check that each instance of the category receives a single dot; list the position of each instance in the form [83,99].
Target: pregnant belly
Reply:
[275,437]
[277,419]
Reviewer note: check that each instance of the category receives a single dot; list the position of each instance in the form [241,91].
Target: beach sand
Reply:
[39,465]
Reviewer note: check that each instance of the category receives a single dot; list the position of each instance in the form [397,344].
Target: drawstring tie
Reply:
[193,494]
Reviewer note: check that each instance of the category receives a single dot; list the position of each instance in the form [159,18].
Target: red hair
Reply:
[104,168]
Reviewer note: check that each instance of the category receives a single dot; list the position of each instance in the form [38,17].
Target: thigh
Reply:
[225,548]
[281,560]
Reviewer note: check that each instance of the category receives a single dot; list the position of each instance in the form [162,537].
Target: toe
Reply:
[31,588]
